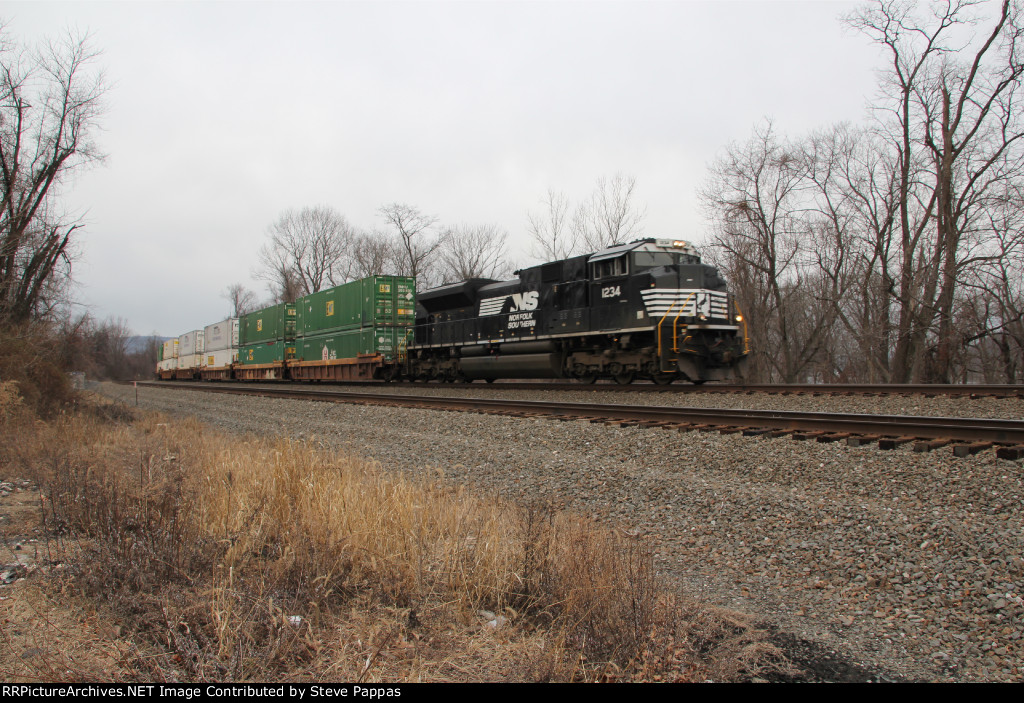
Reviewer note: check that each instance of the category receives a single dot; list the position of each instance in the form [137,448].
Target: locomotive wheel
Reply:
[663,379]
[625,378]
[587,379]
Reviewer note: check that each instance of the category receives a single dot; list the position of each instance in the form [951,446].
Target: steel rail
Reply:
[1010,432]
[604,386]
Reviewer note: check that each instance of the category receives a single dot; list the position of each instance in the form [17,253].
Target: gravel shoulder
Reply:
[906,564]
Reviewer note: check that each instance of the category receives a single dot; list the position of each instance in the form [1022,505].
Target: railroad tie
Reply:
[930,444]
[833,437]
[962,450]
[862,440]
[1011,453]
[803,436]
[893,442]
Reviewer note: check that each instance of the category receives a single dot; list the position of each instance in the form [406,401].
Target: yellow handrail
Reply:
[675,333]
[663,318]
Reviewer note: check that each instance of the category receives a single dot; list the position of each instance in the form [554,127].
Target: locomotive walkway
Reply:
[965,435]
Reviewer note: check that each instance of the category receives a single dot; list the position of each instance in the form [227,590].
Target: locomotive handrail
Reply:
[675,333]
[660,322]
[675,345]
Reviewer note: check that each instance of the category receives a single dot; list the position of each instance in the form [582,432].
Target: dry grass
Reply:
[29,360]
[264,559]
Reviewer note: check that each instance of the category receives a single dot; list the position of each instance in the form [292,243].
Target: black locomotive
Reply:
[648,309]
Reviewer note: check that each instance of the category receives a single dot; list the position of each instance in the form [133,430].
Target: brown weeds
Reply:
[232,560]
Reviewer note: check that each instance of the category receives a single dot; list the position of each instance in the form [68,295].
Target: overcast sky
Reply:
[221,115]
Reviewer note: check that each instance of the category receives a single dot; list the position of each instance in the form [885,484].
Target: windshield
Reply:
[650,259]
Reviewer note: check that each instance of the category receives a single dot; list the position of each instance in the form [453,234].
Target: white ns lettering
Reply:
[524,301]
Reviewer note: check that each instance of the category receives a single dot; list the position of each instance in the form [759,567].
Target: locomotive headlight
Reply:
[702,316]
[674,243]
[739,318]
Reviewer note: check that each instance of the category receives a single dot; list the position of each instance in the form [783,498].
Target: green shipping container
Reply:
[274,323]
[348,344]
[266,352]
[370,302]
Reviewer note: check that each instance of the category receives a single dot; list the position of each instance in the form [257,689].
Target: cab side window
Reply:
[611,267]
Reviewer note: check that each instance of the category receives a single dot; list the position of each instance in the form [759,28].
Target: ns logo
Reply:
[524,301]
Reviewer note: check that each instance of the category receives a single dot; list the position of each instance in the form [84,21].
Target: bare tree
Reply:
[757,197]
[110,347]
[50,105]
[242,299]
[610,216]
[373,254]
[956,126]
[473,251]
[276,269]
[553,235]
[415,243]
[852,178]
[992,331]
[308,250]
[901,240]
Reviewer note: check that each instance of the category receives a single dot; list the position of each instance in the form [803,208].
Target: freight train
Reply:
[644,310]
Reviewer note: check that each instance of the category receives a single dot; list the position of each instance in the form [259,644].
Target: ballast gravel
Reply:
[907,565]
[1010,408]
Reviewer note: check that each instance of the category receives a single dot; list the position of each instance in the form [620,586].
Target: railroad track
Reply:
[965,435]
[813,389]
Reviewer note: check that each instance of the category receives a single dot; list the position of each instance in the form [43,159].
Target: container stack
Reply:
[370,316]
[221,340]
[354,331]
[267,336]
[190,353]
[167,362]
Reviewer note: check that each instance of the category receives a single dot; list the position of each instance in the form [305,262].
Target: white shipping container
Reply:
[171,349]
[190,343]
[220,358]
[167,365]
[221,335]
[191,361]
